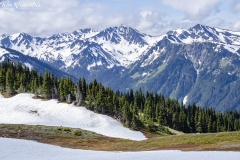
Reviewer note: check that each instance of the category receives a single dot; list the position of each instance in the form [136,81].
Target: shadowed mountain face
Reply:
[30,62]
[200,64]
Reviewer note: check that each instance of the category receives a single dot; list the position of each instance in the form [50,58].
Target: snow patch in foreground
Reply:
[12,149]
[23,109]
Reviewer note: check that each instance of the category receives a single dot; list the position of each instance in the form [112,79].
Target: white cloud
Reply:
[216,22]
[43,20]
[66,16]
[194,9]
[149,21]
[61,16]
[236,6]
[236,26]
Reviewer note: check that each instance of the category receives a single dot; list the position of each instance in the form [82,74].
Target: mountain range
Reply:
[30,62]
[197,65]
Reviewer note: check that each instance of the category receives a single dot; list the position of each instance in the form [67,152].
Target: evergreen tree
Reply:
[61,90]
[135,114]
[126,113]
[2,81]
[83,89]
[34,87]
[79,98]
[47,92]
[100,100]
[9,81]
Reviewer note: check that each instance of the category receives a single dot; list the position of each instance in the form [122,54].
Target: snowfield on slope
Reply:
[23,109]
[12,149]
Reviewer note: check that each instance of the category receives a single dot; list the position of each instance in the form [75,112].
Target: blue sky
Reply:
[154,17]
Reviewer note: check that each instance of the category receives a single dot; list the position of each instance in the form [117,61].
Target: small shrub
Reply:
[167,131]
[77,133]
[151,127]
[59,129]
[66,129]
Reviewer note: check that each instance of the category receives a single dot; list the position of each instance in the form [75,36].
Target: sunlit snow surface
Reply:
[12,149]
[2,51]
[23,109]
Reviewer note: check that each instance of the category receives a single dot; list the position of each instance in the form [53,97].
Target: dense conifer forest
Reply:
[135,109]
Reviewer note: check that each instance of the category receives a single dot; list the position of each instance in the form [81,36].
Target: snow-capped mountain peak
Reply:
[200,33]
[117,46]
[124,43]
[87,33]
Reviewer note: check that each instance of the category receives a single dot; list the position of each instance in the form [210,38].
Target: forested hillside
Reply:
[136,110]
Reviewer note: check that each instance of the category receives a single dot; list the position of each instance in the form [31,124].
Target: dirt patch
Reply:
[82,139]
[183,147]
